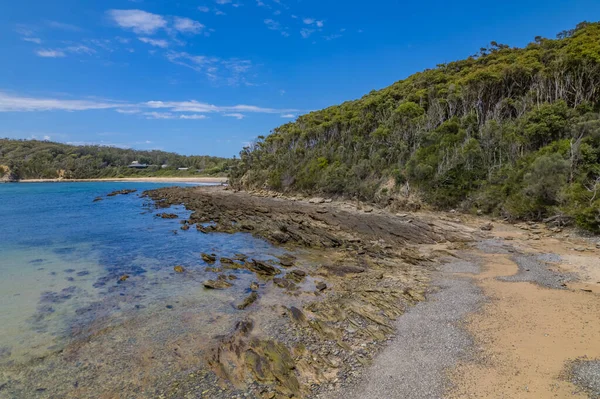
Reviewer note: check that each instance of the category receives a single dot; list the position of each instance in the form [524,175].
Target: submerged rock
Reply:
[179,269]
[123,278]
[298,316]
[97,199]
[167,216]
[209,258]
[250,299]
[121,192]
[284,283]
[321,286]
[214,269]
[217,284]
[287,260]
[240,257]
[254,286]
[296,275]
[263,268]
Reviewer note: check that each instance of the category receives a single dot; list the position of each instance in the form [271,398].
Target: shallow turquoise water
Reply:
[61,256]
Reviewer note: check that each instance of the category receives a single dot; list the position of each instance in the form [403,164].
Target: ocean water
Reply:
[61,256]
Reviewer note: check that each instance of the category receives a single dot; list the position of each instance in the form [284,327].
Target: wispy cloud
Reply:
[155,109]
[333,36]
[274,25]
[288,116]
[235,115]
[193,117]
[14,103]
[139,21]
[63,26]
[203,9]
[35,40]
[80,49]
[186,25]
[128,111]
[314,26]
[232,71]
[203,108]
[47,53]
[312,21]
[154,42]
[305,33]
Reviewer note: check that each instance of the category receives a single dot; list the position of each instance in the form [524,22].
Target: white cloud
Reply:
[154,42]
[223,2]
[305,33]
[219,12]
[274,25]
[235,115]
[312,21]
[13,103]
[271,24]
[80,49]
[122,40]
[159,115]
[139,21]
[232,71]
[193,116]
[288,116]
[203,108]
[186,25]
[63,26]
[203,9]
[128,111]
[191,109]
[277,12]
[47,138]
[333,36]
[33,40]
[50,53]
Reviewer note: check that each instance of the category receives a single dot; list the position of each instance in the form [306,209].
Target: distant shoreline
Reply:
[133,180]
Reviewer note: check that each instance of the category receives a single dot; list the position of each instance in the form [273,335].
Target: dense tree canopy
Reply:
[32,159]
[511,131]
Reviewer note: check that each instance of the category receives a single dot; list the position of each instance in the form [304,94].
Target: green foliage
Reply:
[32,159]
[512,131]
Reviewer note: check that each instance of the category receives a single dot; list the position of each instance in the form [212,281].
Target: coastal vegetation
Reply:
[33,159]
[513,132]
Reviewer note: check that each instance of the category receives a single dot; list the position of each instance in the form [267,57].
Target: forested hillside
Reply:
[508,131]
[31,159]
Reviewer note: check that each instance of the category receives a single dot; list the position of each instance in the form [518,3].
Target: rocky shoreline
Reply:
[366,267]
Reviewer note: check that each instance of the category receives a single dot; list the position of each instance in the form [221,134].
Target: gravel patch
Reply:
[429,340]
[535,269]
[586,375]
[494,246]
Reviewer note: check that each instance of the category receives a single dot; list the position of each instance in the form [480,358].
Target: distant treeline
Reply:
[508,131]
[32,159]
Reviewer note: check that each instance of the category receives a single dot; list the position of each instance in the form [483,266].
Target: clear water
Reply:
[61,256]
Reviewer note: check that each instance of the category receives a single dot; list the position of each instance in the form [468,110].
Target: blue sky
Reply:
[208,76]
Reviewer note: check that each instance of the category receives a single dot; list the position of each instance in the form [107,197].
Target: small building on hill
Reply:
[137,165]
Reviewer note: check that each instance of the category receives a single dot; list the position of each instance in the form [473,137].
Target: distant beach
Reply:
[135,179]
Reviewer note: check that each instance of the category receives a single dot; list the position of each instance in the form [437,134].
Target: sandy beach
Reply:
[135,179]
